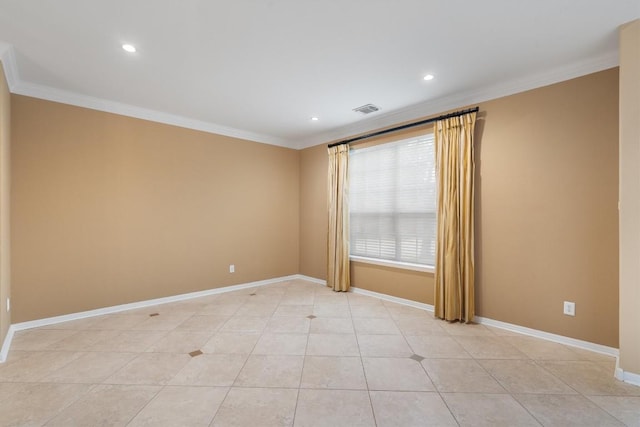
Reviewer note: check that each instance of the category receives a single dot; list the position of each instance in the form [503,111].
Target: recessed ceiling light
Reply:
[428,77]
[314,119]
[129,48]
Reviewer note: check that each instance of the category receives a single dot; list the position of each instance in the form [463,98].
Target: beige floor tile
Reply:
[375,326]
[592,356]
[333,373]
[78,324]
[9,389]
[503,332]
[231,343]
[180,342]
[256,309]
[491,410]
[420,326]
[37,385]
[83,339]
[336,298]
[219,308]
[333,408]
[293,344]
[203,323]
[378,311]
[294,310]
[329,325]
[128,341]
[408,409]
[210,370]
[257,407]
[164,321]
[181,406]
[356,300]
[383,346]
[525,376]
[245,324]
[150,368]
[332,345]
[332,310]
[297,299]
[396,374]
[271,371]
[106,405]
[590,378]
[565,410]
[465,329]
[35,366]
[489,347]
[39,339]
[437,347]
[119,322]
[398,311]
[624,408]
[266,297]
[288,325]
[37,403]
[542,350]
[460,375]
[90,368]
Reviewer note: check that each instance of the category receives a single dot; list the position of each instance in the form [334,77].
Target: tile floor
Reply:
[296,353]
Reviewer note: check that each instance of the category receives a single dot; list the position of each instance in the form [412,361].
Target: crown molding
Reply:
[459,100]
[413,112]
[108,106]
[19,87]
[8,59]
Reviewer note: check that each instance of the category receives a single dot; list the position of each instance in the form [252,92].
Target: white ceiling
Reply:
[260,69]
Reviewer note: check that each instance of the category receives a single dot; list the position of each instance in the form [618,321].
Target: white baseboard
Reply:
[311,279]
[610,351]
[130,306]
[385,297]
[572,342]
[4,352]
[626,376]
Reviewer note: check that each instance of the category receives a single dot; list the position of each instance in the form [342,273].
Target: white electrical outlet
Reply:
[232,268]
[570,308]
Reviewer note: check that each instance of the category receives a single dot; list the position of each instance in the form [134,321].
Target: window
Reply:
[392,201]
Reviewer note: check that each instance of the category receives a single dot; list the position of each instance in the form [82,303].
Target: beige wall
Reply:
[546,212]
[313,211]
[108,210]
[5,159]
[630,197]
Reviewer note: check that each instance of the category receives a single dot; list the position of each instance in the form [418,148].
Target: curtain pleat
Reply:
[338,275]
[454,269]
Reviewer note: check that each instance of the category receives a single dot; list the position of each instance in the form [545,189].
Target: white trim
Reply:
[141,304]
[393,264]
[627,377]
[572,342]
[413,112]
[99,104]
[4,352]
[311,279]
[437,106]
[385,297]
[8,58]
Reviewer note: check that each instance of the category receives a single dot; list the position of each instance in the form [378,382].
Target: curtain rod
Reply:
[408,125]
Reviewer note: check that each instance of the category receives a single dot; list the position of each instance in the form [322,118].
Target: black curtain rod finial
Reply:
[407,126]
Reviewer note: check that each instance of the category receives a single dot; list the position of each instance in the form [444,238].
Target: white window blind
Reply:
[392,201]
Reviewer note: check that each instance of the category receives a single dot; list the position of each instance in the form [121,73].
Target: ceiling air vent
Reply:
[366,109]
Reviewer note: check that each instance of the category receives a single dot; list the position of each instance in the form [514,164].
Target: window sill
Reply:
[394,264]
